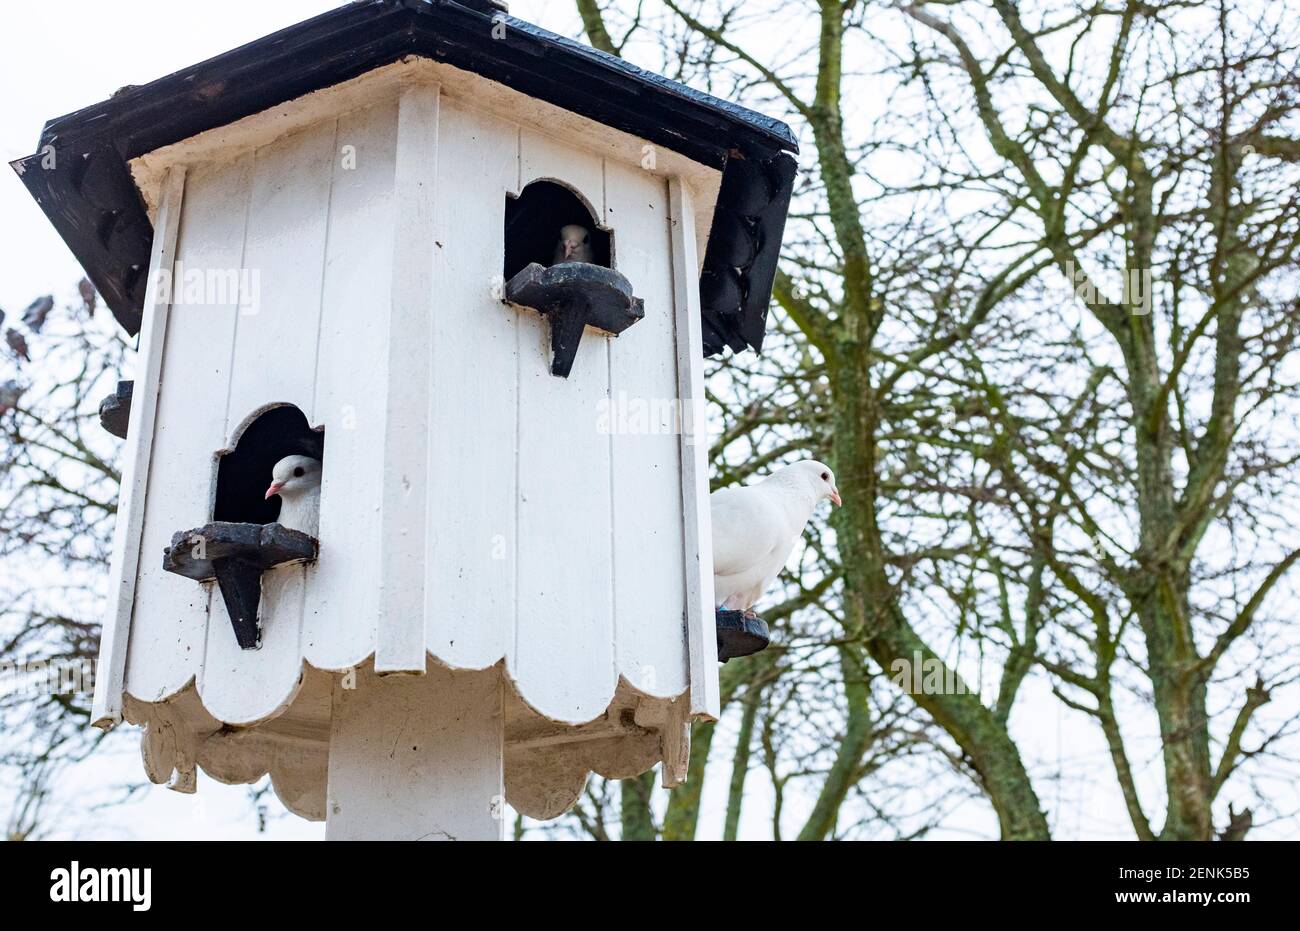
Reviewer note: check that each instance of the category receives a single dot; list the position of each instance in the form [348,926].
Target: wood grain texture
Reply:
[109,683]
[172,613]
[400,640]
[474,401]
[563,655]
[697,521]
[352,399]
[474,506]
[645,460]
[417,758]
[274,361]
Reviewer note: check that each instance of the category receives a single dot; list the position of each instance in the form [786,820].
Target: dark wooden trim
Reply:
[573,296]
[236,555]
[115,410]
[91,199]
[740,634]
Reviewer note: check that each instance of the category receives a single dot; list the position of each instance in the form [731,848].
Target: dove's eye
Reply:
[587,238]
[826,476]
[300,472]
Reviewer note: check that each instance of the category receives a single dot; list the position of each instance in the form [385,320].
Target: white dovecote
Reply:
[509,576]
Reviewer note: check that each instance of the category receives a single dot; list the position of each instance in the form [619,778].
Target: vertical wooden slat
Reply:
[275,337]
[274,362]
[171,616]
[109,681]
[473,402]
[400,637]
[649,574]
[697,526]
[564,640]
[339,617]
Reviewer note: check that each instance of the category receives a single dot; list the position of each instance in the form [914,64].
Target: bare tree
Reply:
[58,500]
[1047,295]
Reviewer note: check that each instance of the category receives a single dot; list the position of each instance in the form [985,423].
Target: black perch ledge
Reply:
[571,296]
[740,634]
[115,410]
[236,555]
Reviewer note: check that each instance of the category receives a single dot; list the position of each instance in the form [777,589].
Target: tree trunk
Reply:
[638,821]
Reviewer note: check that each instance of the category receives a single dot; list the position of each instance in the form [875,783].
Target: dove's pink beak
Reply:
[569,246]
[273,490]
[835,497]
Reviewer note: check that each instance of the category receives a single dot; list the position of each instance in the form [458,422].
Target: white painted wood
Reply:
[417,758]
[543,157]
[473,414]
[170,628]
[698,531]
[110,680]
[564,642]
[474,506]
[275,338]
[469,90]
[400,639]
[649,572]
[274,362]
[339,616]
[172,613]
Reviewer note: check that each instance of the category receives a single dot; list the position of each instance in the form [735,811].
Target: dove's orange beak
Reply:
[835,497]
[273,490]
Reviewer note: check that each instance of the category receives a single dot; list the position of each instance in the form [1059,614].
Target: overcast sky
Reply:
[58,57]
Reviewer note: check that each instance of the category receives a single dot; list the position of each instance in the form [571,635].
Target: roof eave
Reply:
[90,197]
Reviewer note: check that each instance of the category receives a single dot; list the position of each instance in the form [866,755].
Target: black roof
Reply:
[91,199]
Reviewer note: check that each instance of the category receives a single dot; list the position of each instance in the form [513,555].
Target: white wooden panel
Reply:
[473,416]
[400,638]
[127,532]
[564,653]
[172,613]
[275,341]
[545,158]
[417,758]
[274,361]
[352,392]
[698,531]
[248,686]
[649,574]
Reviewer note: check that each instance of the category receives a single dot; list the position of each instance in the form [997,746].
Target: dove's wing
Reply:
[747,527]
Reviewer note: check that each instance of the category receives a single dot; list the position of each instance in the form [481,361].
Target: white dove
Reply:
[756,527]
[574,245]
[296,479]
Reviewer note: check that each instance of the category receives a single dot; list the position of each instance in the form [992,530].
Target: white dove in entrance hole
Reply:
[574,245]
[296,479]
[756,527]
